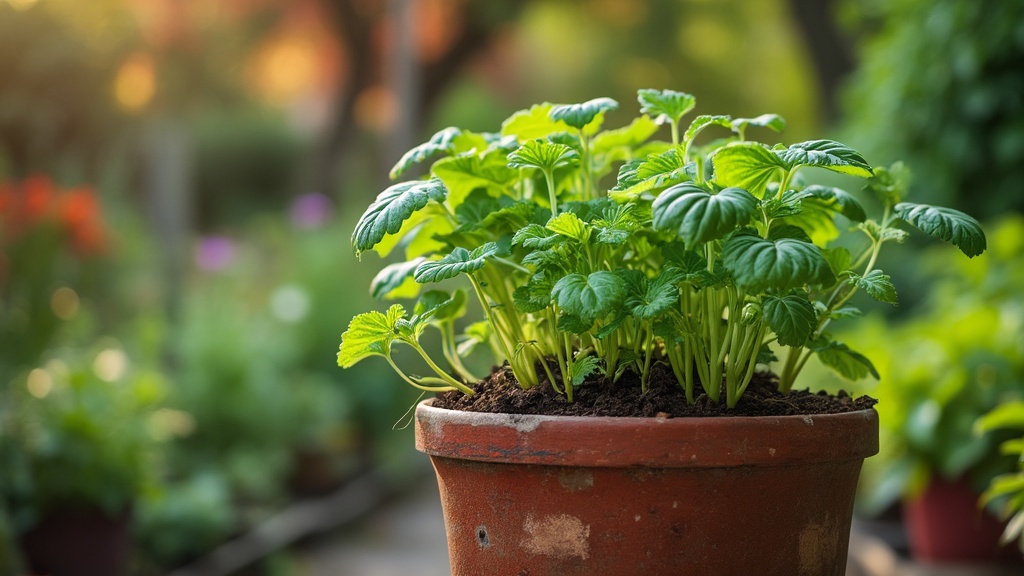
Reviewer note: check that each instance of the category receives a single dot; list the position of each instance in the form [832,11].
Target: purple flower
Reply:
[215,253]
[310,211]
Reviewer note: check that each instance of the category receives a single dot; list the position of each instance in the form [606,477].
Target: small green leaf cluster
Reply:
[700,256]
[1007,489]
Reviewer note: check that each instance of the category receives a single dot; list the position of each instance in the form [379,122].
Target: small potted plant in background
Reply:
[656,299]
[1007,490]
[950,361]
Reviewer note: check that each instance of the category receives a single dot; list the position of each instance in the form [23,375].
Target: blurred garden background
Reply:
[179,180]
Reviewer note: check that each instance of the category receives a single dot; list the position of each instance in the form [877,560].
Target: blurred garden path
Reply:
[404,538]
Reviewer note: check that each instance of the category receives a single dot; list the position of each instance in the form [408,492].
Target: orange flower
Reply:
[38,197]
[80,212]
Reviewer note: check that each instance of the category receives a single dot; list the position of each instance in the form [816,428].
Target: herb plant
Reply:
[1008,489]
[708,257]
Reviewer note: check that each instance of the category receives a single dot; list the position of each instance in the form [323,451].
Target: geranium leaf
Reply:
[771,121]
[439,306]
[580,368]
[459,261]
[442,141]
[543,155]
[657,295]
[369,334]
[665,105]
[535,236]
[701,122]
[791,317]
[574,324]
[391,208]
[878,285]
[845,202]
[619,143]
[464,174]
[948,224]
[533,123]
[391,281]
[827,154]
[758,264]
[838,356]
[535,295]
[698,216]
[579,115]
[589,297]
[747,165]
[569,225]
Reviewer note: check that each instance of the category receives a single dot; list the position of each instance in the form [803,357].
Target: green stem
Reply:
[552,194]
[417,385]
[486,305]
[675,133]
[437,369]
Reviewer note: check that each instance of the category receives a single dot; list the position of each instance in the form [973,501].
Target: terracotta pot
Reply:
[549,495]
[944,524]
[77,543]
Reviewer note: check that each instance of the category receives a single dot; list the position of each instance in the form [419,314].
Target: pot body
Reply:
[77,542]
[546,495]
[944,524]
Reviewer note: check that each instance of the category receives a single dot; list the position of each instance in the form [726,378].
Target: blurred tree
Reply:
[941,85]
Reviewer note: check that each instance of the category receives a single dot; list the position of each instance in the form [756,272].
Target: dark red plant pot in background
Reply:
[944,524]
[77,543]
[547,495]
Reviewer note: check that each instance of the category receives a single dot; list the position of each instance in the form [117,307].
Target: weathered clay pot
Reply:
[548,495]
[944,524]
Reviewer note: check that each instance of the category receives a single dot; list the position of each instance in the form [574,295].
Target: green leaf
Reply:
[838,356]
[947,224]
[543,155]
[618,144]
[589,297]
[701,122]
[533,123]
[845,202]
[747,165]
[655,296]
[890,184]
[439,306]
[665,105]
[569,225]
[535,236]
[698,216]
[466,173]
[656,171]
[475,334]
[580,368]
[574,324]
[579,115]
[1009,415]
[791,317]
[458,262]
[391,208]
[758,264]
[369,334]
[771,121]
[825,154]
[535,295]
[839,259]
[877,285]
[442,141]
[395,280]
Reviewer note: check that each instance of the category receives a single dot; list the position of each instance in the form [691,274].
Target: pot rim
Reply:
[612,441]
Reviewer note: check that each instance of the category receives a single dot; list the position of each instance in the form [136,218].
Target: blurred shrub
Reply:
[944,366]
[940,86]
[78,433]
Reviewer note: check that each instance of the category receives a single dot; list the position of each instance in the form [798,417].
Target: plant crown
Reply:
[702,256]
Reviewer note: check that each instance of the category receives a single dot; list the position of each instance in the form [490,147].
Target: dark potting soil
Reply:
[500,392]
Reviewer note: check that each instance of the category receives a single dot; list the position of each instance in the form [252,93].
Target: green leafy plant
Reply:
[702,256]
[1008,488]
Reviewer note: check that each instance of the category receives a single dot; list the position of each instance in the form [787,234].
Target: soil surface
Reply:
[500,392]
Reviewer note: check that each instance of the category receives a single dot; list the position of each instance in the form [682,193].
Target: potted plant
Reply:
[656,299]
[1008,489]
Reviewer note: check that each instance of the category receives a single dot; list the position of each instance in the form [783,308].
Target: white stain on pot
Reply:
[808,420]
[557,535]
[819,543]
[576,479]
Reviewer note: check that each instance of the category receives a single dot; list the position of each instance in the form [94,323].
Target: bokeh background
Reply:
[179,178]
